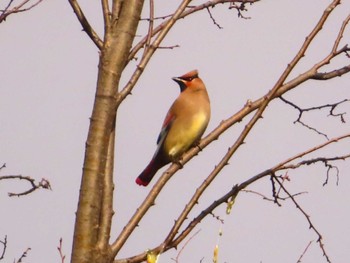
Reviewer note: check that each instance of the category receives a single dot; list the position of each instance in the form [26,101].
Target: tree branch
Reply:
[85,24]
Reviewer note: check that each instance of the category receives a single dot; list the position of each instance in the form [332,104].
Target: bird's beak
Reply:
[180,82]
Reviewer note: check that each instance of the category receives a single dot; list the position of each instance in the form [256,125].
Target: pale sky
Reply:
[48,75]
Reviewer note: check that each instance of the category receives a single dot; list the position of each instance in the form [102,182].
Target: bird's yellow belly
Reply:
[180,139]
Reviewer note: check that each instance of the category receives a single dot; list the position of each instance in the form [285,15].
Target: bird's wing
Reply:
[165,128]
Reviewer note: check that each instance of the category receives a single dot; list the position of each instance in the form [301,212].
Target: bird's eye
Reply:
[190,78]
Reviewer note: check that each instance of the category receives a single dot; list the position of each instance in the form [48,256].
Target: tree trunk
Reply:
[119,34]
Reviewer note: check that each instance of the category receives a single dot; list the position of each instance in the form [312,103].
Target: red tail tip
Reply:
[140,182]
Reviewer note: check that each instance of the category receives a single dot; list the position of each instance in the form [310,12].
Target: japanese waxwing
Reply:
[184,124]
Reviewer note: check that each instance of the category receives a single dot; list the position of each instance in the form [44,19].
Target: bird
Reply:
[183,126]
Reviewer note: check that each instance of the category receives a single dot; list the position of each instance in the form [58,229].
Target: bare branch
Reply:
[85,24]
[44,184]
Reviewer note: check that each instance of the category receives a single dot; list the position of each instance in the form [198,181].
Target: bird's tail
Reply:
[148,173]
